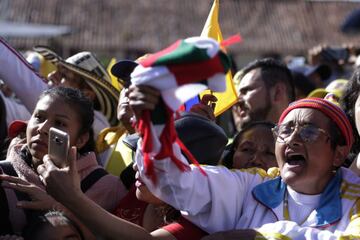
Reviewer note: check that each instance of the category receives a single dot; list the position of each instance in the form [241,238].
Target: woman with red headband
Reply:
[312,197]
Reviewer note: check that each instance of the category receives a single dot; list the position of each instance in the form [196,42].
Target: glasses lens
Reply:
[285,130]
[309,133]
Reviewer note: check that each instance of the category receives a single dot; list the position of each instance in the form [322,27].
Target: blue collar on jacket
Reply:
[271,194]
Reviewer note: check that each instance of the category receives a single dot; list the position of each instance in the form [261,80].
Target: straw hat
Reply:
[95,75]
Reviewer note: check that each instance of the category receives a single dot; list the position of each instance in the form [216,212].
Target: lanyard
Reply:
[286,207]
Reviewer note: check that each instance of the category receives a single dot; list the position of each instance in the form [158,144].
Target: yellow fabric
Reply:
[108,137]
[212,29]
[114,80]
[272,236]
[46,67]
[120,158]
[121,155]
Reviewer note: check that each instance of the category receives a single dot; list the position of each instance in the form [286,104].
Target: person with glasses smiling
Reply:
[310,197]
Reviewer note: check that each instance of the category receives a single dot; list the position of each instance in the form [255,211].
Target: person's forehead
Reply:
[257,133]
[307,115]
[251,78]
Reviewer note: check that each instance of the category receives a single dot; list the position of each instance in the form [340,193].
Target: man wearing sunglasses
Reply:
[310,196]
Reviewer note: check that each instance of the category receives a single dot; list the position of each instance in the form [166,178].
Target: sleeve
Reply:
[107,192]
[19,76]
[183,229]
[213,202]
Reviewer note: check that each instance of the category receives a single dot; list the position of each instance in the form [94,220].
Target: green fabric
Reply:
[184,53]
[225,61]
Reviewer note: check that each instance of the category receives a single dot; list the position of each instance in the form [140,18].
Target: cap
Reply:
[323,70]
[122,70]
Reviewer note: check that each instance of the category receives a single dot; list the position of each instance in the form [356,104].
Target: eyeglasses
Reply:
[308,133]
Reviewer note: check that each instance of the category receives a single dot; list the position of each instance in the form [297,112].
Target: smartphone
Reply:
[58,149]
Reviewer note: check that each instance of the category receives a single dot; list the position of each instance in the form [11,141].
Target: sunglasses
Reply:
[308,132]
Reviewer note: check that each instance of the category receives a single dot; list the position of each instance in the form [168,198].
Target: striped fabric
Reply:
[334,112]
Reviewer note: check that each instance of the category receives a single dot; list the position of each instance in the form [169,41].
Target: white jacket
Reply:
[240,199]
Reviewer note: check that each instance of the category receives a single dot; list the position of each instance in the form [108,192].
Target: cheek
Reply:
[240,160]
[279,153]
[30,131]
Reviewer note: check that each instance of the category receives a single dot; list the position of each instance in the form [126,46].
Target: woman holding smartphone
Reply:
[70,111]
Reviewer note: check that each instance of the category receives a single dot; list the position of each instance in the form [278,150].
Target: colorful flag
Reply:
[212,29]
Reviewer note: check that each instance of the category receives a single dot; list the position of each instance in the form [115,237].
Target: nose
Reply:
[294,139]
[43,128]
[258,160]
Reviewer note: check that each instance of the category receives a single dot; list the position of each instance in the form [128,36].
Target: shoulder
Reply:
[350,185]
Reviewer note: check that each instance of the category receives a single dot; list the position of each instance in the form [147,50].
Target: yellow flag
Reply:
[212,29]
[114,80]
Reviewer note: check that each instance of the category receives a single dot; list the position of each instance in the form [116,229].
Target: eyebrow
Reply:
[57,115]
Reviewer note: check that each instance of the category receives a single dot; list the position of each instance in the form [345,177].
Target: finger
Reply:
[29,205]
[72,159]
[208,98]
[13,179]
[41,169]
[17,187]
[148,90]
[144,93]
[48,163]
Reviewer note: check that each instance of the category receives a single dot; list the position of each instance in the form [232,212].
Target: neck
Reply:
[311,188]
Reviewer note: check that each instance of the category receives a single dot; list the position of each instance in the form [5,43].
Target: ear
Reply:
[82,140]
[340,154]
[278,93]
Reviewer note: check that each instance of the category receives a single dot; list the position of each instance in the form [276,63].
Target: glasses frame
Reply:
[298,128]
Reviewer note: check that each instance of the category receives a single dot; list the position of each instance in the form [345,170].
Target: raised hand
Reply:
[206,107]
[40,200]
[62,183]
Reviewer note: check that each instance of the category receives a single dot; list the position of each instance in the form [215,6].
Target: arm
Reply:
[201,198]
[19,76]
[64,186]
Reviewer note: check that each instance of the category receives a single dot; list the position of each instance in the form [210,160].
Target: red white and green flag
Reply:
[179,72]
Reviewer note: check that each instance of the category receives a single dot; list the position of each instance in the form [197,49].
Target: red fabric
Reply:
[195,71]
[144,127]
[184,230]
[231,40]
[151,59]
[130,208]
[167,138]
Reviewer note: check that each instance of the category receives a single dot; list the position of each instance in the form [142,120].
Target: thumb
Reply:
[72,160]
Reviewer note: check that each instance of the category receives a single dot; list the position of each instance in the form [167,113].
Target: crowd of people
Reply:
[138,167]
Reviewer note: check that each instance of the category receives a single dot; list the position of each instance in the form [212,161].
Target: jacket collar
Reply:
[271,194]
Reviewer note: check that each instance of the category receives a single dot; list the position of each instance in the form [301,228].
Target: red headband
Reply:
[335,113]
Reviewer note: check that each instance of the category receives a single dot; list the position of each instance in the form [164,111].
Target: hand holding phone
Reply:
[58,149]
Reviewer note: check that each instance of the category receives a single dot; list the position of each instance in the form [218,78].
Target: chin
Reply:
[289,177]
